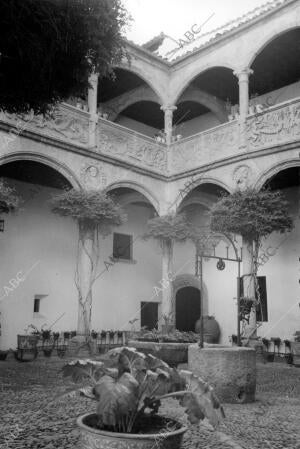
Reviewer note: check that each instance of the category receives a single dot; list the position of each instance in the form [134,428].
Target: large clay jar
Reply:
[211,329]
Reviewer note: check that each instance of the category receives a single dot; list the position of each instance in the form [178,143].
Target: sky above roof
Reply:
[176,17]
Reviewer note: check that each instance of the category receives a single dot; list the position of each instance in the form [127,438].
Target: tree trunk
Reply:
[249,284]
[84,278]
[167,305]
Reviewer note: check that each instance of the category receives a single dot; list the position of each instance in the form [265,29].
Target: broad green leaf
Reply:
[200,400]
[116,398]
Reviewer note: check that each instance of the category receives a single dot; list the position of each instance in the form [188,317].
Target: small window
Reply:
[149,315]
[262,309]
[36,305]
[122,246]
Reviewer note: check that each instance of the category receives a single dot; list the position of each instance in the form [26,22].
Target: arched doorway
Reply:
[187,308]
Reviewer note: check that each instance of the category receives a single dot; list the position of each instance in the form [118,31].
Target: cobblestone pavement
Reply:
[29,418]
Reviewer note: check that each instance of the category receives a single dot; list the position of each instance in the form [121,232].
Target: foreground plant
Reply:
[129,387]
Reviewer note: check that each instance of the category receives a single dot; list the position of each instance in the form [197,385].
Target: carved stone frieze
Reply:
[65,123]
[205,147]
[131,147]
[274,127]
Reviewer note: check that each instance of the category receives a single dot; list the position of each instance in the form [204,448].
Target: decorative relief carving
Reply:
[65,123]
[93,176]
[274,127]
[205,147]
[131,147]
[242,175]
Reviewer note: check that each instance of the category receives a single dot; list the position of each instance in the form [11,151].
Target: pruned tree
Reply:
[96,214]
[166,230]
[48,49]
[9,200]
[254,215]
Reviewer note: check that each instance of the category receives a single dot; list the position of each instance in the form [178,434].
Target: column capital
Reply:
[93,77]
[243,74]
[170,108]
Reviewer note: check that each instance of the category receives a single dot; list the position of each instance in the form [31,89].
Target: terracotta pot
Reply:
[211,329]
[91,438]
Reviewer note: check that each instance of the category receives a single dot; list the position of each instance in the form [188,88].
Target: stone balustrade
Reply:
[206,147]
[68,124]
[278,125]
[132,147]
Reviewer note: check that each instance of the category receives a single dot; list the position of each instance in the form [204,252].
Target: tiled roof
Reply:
[170,51]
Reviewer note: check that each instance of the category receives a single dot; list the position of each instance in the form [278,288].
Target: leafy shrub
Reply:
[168,227]
[9,200]
[251,214]
[129,385]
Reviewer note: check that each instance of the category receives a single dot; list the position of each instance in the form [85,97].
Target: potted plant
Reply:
[66,335]
[94,335]
[56,336]
[269,356]
[288,355]
[47,351]
[3,355]
[211,329]
[61,350]
[129,387]
[46,334]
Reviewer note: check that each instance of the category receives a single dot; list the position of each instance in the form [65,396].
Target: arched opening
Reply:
[186,118]
[276,71]
[279,259]
[33,172]
[188,308]
[41,247]
[130,89]
[216,92]
[145,117]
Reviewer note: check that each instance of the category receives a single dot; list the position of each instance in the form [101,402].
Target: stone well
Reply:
[230,370]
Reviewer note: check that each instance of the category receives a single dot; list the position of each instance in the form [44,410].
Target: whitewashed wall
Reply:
[35,238]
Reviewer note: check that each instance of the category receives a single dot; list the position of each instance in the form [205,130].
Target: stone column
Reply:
[92,105]
[248,284]
[167,303]
[84,279]
[168,111]
[243,79]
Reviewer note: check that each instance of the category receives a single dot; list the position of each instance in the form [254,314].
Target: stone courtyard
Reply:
[33,414]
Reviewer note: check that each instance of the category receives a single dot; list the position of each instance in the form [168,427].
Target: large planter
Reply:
[295,350]
[91,438]
[230,370]
[171,353]
[211,329]
[27,348]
